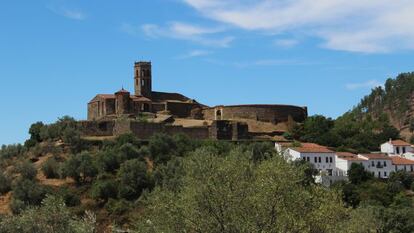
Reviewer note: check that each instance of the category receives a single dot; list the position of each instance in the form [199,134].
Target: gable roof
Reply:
[311,148]
[400,142]
[376,156]
[397,160]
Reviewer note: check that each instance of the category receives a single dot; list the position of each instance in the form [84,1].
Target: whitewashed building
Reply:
[402,164]
[379,164]
[344,161]
[396,147]
[322,158]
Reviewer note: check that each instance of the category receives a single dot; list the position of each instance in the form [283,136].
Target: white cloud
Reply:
[285,43]
[69,13]
[368,26]
[183,31]
[194,53]
[368,84]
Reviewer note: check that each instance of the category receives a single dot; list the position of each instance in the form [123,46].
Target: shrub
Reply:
[162,147]
[27,170]
[117,207]
[10,151]
[80,167]
[5,184]
[28,192]
[51,168]
[52,217]
[133,178]
[104,189]
[107,161]
[68,197]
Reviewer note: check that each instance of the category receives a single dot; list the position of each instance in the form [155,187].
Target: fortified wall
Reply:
[259,112]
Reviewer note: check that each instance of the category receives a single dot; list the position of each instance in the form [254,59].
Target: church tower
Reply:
[142,79]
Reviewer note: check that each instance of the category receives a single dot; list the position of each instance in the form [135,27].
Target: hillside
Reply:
[395,100]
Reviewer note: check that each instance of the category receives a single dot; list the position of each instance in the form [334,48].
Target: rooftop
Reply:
[397,160]
[376,156]
[311,148]
[400,142]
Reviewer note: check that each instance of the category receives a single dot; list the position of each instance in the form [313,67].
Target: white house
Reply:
[380,165]
[402,164]
[396,147]
[344,160]
[322,158]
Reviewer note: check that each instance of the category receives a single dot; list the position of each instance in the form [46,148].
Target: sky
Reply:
[56,55]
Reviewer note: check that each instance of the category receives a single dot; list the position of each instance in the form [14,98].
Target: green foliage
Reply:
[102,190]
[169,175]
[80,167]
[27,170]
[5,184]
[51,217]
[107,161]
[404,178]
[134,178]
[118,207]
[10,151]
[28,192]
[162,147]
[233,194]
[69,197]
[357,174]
[51,168]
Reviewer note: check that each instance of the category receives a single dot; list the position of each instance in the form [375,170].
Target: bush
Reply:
[133,178]
[107,161]
[27,170]
[69,197]
[80,167]
[52,217]
[117,207]
[28,192]
[403,177]
[10,151]
[104,189]
[17,206]
[5,184]
[51,168]
[162,147]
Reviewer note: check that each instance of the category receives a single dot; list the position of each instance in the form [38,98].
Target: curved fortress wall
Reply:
[263,112]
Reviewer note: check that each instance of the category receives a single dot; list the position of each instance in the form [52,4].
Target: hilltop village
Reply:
[146,112]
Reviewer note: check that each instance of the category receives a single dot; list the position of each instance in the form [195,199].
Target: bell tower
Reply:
[142,79]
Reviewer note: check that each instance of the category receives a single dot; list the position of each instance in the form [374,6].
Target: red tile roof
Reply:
[376,156]
[106,96]
[397,160]
[400,142]
[349,156]
[311,148]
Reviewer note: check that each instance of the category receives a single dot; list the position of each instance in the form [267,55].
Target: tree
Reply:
[29,192]
[133,178]
[51,217]
[27,170]
[162,147]
[5,184]
[232,194]
[80,167]
[51,168]
[357,174]
[402,177]
[103,190]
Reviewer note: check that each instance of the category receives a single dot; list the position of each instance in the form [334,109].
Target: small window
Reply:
[308,159]
[315,159]
[411,168]
[320,160]
[403,149]
[398,150]
[379,174]
[385,174]
[330,159]
[327,160]
[385,163]
[373,163]
[142,82]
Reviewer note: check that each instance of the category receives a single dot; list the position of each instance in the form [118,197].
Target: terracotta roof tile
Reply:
[376,156]
[400,142]
[397,160]
[312,148]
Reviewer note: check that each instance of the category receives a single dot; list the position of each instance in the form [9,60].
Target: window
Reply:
[379,174]
[315,159]
[403,149]
[405,168]
[373,163]
[385,174]
[326,159]
[411,168]
[398,150]
[320,159]
[142,82]
[330,159]
[308,159]
[385,164]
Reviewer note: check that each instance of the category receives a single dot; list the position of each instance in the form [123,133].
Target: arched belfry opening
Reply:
[218,114]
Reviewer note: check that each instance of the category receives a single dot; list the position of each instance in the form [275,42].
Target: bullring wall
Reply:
[266,113]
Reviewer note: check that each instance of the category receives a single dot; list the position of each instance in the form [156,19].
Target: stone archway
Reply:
[219,114]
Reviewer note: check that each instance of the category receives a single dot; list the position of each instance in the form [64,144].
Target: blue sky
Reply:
[55,55]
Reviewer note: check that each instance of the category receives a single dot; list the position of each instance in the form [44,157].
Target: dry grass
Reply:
[4,203]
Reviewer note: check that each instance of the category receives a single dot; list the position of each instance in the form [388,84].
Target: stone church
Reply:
[122,102]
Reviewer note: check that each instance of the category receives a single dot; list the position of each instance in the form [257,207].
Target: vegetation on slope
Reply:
[175,184]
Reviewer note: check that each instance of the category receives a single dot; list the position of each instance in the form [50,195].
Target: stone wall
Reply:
[181,109]
[145,130]
[97,128]
[266,113]
[228,130]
